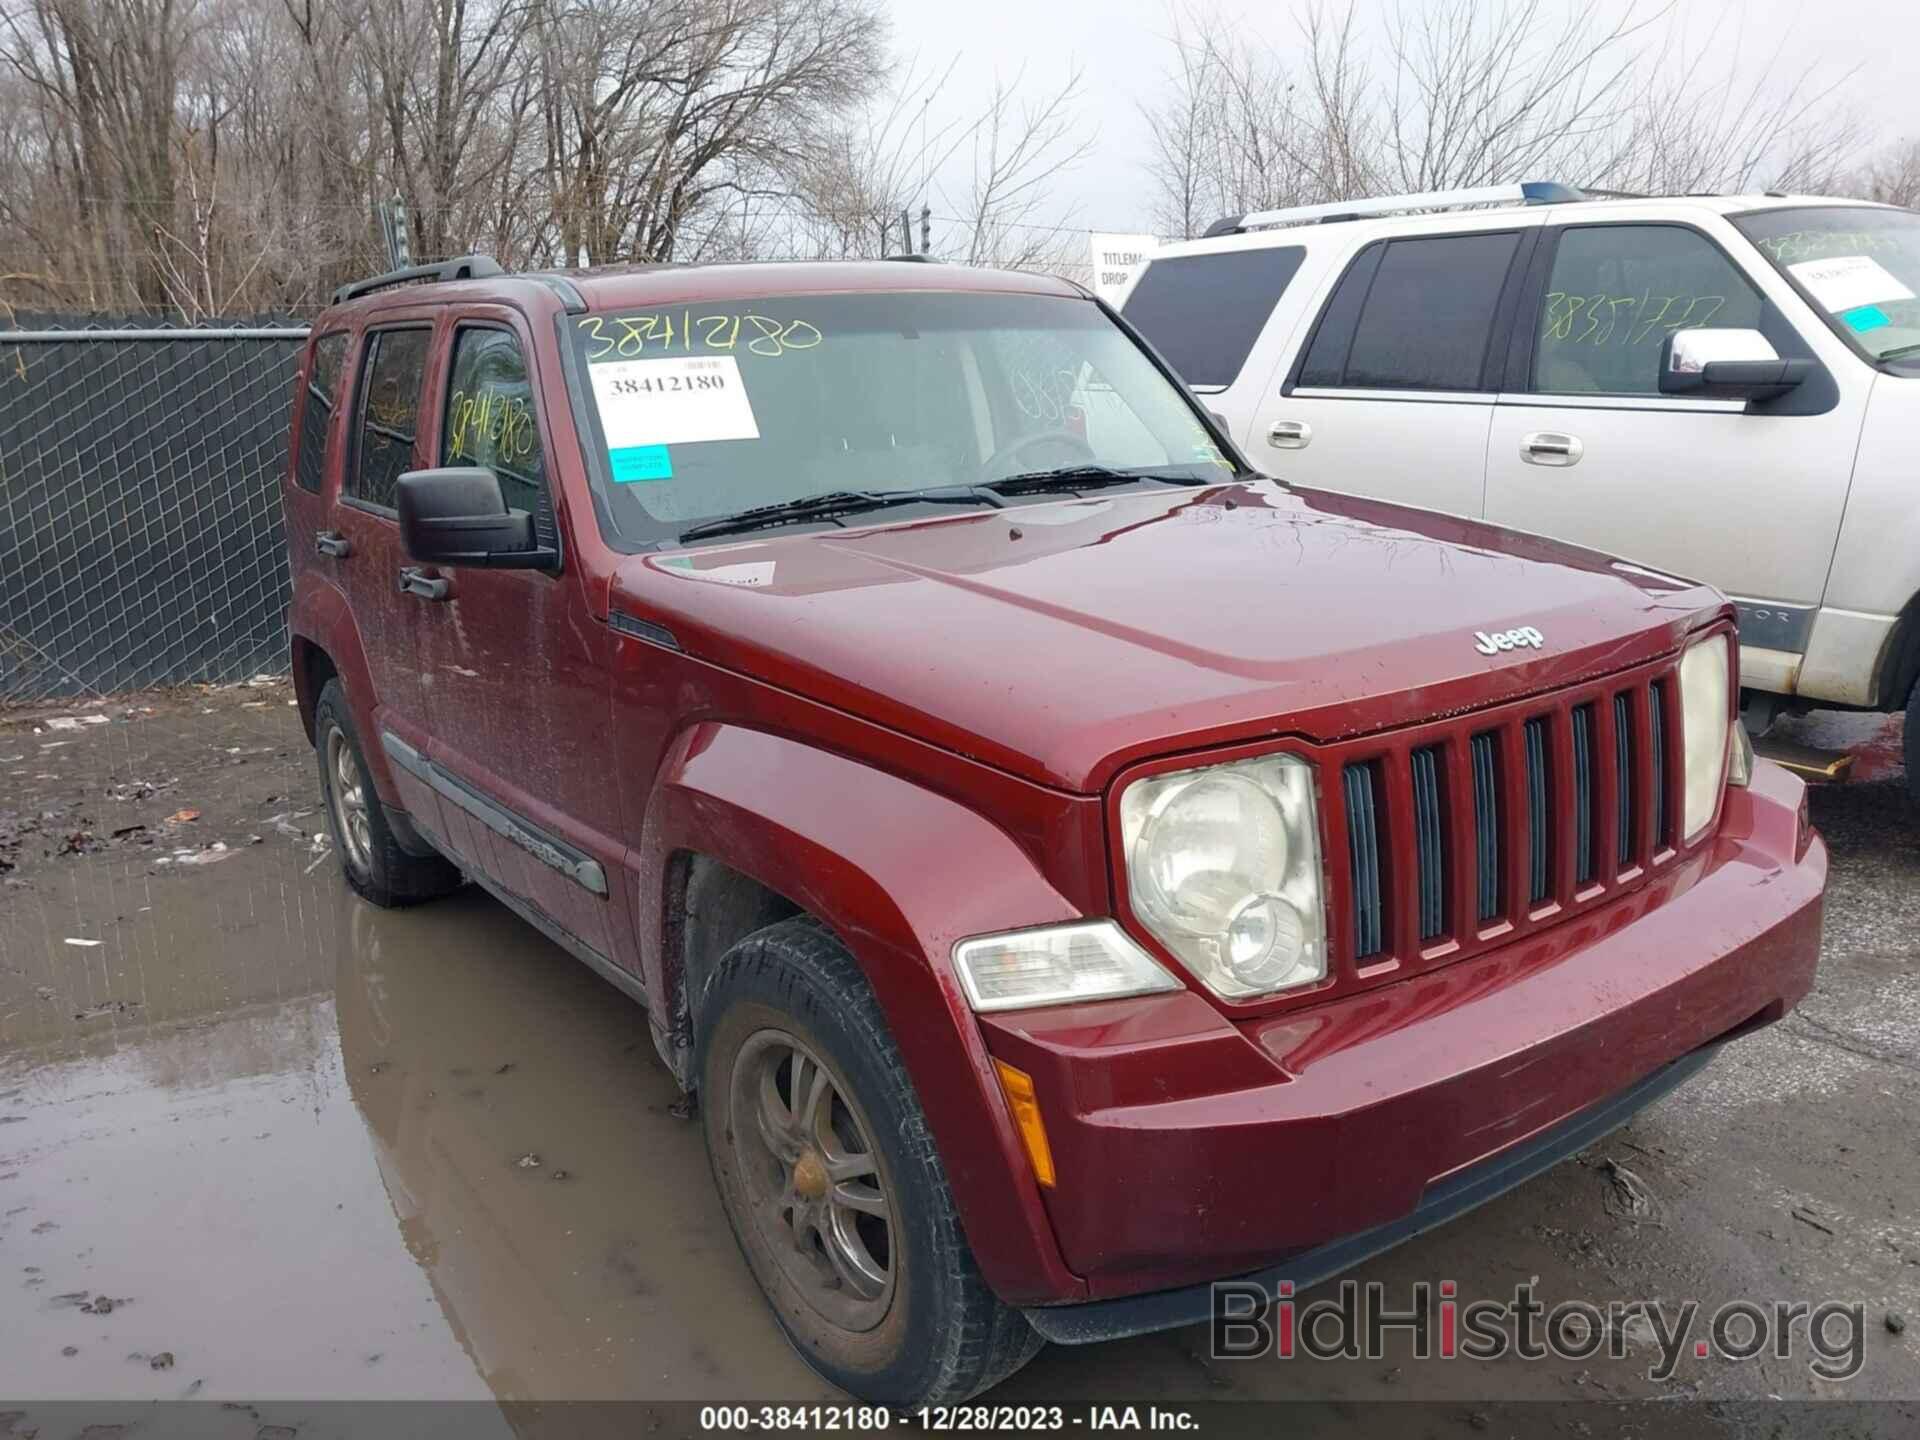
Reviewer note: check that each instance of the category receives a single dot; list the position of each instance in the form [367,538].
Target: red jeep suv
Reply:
[1070,867]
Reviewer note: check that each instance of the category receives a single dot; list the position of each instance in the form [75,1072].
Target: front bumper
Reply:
[1455,1195]
[1190,1148]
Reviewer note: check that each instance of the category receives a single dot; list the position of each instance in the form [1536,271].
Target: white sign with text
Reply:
[1116,260]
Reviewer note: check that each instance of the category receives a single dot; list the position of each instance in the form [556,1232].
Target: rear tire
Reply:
[831,1181]
[370,857]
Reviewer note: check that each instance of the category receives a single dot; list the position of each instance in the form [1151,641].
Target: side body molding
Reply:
[549,850]
[899,873]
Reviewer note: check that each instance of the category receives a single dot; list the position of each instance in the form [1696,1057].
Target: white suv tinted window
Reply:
[1203,312]
[1414,314]
[1617,291]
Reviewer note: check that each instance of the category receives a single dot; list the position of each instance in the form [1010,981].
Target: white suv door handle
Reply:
[1289,434]
[1551,447]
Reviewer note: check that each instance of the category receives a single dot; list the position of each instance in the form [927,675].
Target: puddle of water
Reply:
[214,1184]
[311,1149]
[606,1270]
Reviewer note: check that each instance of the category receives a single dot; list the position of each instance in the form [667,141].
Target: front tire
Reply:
[831,1181]
[370,856]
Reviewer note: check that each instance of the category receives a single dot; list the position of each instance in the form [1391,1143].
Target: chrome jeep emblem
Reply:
[1508,640]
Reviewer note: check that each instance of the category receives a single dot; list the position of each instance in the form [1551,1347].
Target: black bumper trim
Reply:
[1466,1190]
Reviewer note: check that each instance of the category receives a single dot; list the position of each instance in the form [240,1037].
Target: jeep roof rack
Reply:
[463,267]
[1526,192]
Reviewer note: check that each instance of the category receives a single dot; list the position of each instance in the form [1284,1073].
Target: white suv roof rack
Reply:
[1526,192]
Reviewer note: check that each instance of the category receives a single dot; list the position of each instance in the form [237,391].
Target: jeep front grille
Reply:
[1363,849]
[1429,848]
[1460,834]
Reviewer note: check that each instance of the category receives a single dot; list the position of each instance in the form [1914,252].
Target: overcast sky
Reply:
[1122,49]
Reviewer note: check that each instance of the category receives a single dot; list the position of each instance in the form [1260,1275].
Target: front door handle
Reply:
[332,542]
[416,582]
[1289,434]
[1551,447]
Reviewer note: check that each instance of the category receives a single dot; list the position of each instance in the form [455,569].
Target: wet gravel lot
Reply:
[258,1140]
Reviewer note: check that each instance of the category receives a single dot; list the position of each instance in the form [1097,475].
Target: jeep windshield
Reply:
[1859,265]
[820,408]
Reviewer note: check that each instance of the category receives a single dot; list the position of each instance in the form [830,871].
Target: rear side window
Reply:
[396,366]
[1204,312]
[1614,295]
[316,417]
[490,416]
[1412,315]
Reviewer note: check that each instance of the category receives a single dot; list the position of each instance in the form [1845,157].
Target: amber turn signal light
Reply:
[1017,1085]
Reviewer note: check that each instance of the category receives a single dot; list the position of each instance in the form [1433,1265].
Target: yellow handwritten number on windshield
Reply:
[633,337]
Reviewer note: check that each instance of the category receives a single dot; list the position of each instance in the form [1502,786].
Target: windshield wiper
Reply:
[1899,352]
[1077,477]
[835,503]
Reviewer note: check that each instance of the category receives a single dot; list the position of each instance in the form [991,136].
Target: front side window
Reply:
[1861,266]
[1203,313]
[1413,314]
[316,418]
[396,367]
[1614,295]
[704,411]
[489,418]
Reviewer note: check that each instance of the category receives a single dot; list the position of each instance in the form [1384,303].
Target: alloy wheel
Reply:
[821,1210]
[351,820]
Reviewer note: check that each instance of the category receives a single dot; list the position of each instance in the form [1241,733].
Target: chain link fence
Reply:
[140,528]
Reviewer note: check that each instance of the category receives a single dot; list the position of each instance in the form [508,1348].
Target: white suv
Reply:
[1723,386]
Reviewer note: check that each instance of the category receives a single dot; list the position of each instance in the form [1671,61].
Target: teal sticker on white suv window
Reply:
[1867,317]
[633,464]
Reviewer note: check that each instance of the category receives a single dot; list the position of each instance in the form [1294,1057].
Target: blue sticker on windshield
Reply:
[634,463]
[1865,318]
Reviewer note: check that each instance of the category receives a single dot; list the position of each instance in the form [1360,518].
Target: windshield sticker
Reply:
[633,464]
[681,400]
[1865,318]
[1847,282]
[629,337]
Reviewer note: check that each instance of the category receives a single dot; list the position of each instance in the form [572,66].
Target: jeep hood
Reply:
[1061,641]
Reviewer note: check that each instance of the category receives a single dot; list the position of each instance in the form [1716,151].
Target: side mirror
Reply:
[1726,365]
[458,517]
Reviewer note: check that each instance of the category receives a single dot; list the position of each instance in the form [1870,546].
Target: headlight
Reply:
[1223,865]
[1062,963]
[1704,710]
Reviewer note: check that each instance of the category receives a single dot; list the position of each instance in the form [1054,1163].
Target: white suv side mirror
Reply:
[1726,365]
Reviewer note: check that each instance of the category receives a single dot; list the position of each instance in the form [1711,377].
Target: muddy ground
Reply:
[258,1140]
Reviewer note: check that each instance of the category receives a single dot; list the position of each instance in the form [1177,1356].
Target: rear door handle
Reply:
[1289,434]
[416,582]
[1551,447]
[332,542]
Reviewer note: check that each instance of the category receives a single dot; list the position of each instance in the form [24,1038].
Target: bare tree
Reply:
[660,112]
[1478,96]
[1005,210]
[1232,134]
[205,156]
[1696,123]
[984,182]
[1456,93]
[1893,177]
[868,171]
